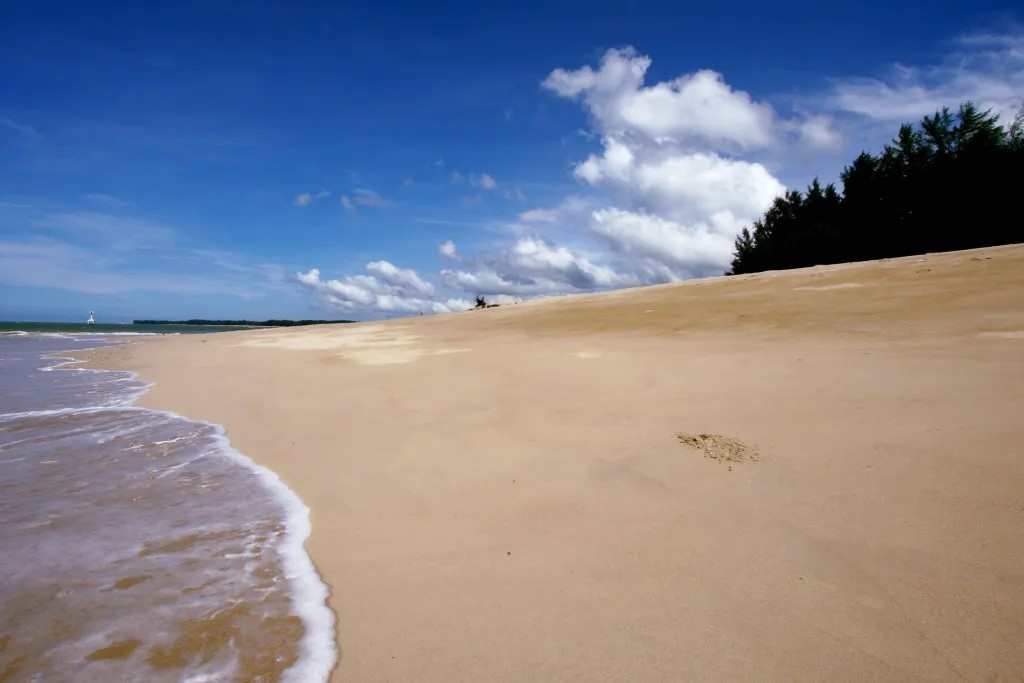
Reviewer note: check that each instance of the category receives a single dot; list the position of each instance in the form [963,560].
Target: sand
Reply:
[531,492]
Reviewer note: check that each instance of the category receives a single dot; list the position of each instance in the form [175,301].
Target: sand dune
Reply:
[532,492]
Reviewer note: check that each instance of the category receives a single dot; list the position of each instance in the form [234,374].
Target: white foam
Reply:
[67,360]
[175,468]
[309,594]
[68,411]
[121,334]
[176,439]
[317,651]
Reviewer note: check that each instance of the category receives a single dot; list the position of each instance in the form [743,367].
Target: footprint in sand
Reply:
[720,448]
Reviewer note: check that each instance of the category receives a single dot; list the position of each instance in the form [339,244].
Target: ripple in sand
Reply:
[1012,334]
[828,288]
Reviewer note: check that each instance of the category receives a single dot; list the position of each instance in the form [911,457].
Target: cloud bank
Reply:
[680,167]
[387,289]
[986,68]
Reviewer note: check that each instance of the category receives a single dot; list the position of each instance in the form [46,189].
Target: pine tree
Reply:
[949,183]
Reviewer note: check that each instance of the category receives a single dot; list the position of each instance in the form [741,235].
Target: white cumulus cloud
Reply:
[680,250]
[387,290]
[448,250]
[698,107]
[307,198]
[403,279]
[676,193]
[362,197]
[485,181]
[819,131]
[671,195]
[677,168]
[533,266]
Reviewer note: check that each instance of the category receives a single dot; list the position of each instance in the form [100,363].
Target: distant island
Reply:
[242,323]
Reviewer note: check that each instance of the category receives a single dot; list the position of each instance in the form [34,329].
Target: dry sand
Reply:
[799,475]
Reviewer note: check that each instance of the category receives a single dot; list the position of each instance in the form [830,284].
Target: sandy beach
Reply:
[504,495]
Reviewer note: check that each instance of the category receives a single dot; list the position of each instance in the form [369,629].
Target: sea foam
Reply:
[308,594]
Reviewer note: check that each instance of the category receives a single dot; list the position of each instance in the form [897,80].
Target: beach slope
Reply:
[810,474]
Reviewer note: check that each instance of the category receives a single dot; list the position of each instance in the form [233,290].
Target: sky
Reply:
[349,160]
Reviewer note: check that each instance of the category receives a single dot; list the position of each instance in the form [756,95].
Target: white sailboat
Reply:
[92,319]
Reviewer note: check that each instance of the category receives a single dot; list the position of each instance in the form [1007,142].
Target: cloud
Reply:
[307,198]
[485,181]
[24,131]
[677,192]
[669,193]
[388,289]
[683,186]
[677,168]
[361,197]
[819,132]
[58,264]
[107,200]
[686,250]
[486,280]
[114,232]
[568,208]
[448,250]
[101,253]
[539,216]
[987,69]
[533,266]
[514,194]
[559,263]
[403,279]
[698,107]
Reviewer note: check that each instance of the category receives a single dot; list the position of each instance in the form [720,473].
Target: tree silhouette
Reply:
[950,183]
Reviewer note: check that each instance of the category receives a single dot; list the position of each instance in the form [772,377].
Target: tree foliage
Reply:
[950,183]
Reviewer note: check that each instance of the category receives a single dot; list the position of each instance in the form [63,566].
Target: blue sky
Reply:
[346,160]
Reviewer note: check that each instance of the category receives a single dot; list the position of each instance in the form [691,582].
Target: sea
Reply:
[136,544]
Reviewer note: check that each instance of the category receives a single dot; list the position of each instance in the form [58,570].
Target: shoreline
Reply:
[501,494]
[309,592]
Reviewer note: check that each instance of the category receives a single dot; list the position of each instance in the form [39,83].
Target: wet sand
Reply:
[801,475]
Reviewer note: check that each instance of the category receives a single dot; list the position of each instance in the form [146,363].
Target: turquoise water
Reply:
[127,328]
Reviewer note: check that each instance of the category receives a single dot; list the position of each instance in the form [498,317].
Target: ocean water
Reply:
[136,545]
[109,329]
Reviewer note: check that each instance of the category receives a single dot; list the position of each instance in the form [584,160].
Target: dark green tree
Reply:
[949,183]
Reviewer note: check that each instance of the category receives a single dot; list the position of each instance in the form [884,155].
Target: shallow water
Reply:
[138,545]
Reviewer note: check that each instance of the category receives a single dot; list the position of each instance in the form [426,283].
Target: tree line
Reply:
[949,183]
